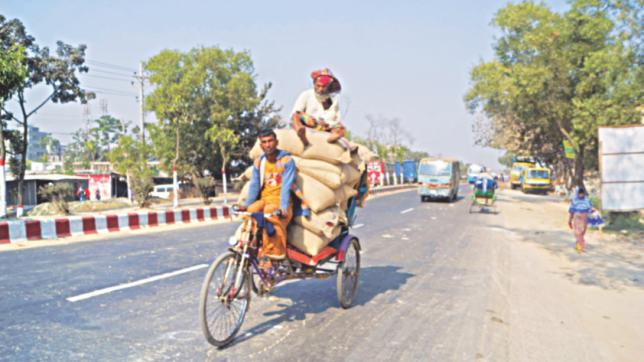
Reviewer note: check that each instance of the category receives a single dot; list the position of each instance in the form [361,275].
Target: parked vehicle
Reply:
[438,178]
[162,191]
[409,169]
[536,179]
[519,164]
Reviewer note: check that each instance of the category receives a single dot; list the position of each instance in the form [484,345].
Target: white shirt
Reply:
[309,103]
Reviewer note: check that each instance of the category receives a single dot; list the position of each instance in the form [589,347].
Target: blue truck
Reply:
[408,169]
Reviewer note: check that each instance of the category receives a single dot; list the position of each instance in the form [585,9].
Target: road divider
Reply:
[16,231]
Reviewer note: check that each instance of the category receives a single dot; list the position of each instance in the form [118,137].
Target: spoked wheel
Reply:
[222,307]
[348,275]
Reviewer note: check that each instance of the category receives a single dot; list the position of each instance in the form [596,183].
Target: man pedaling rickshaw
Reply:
[270,188]
[485,185]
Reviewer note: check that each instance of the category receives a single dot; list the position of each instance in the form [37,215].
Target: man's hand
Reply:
[282,214]
[322,123]
[240,207]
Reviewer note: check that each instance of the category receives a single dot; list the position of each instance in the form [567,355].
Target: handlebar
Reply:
[237,212]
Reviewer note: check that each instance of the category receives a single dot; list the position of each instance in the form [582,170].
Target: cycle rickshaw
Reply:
[235,275]
[484,196]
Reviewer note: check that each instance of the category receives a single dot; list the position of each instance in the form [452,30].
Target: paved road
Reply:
[425,283]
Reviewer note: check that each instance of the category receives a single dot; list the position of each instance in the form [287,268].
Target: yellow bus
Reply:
[519,164]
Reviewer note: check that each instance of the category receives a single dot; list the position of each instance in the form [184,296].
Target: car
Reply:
[162,191]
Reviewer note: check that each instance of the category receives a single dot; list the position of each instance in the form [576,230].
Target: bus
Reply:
[519,164]
[439,178]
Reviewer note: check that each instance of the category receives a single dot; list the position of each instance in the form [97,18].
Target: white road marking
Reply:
[135,283]
[358,226]
[387,236]
[407,210]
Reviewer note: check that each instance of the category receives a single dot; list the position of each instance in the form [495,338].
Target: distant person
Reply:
[97,195]
[81,194]
[87,193]
[580,208]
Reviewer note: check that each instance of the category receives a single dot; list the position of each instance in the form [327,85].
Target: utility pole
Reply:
[141,78]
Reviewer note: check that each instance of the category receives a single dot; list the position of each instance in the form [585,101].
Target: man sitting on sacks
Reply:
[318,108]
[270,190]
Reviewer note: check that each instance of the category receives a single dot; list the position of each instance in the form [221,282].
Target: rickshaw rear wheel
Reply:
[348,275]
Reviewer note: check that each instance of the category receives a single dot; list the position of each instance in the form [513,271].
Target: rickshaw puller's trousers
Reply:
[274,246]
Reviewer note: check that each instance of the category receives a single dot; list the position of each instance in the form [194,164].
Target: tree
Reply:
[200,90]
[12,75]
[129,157]
[56,71]
[226,139]
[559,76]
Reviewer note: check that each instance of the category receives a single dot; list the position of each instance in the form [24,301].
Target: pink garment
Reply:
[579,225]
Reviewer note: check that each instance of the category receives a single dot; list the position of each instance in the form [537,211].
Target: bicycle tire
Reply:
[213,337]
[348,274]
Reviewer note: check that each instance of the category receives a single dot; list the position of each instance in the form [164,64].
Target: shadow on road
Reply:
[318,297]
[602,265]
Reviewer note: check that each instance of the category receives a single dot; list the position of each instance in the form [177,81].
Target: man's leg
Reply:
[276,244]
[299,127]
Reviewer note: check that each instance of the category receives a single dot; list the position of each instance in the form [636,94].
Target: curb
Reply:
[24,230]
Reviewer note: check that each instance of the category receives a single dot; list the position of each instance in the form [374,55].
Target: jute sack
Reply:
[320,149]
[287,141]
[305,240]
[247,175]
[327,173]
[350,175]
[318,196]
[346,192]
[243,194]
[325,223]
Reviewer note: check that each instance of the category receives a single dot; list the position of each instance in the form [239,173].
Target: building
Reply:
[37,149]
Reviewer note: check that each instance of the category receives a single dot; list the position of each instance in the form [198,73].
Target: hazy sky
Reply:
[404,59]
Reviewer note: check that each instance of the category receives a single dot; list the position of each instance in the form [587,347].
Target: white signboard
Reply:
[621,158]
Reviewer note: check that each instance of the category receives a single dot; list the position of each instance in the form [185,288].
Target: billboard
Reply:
[621,164]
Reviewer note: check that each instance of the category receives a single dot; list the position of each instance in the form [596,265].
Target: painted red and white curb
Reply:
[23,230]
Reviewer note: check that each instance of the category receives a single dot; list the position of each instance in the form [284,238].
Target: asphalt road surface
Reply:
[428,270]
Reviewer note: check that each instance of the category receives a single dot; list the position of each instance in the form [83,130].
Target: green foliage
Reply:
[12,71]
[94,142]
[142,185]
[129,157]
[559,76]
[211,92]
[56,70]
[206,187]
[506,159]
[58,194]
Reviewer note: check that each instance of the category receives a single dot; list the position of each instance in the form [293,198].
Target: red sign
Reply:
[375,171]
[101,183]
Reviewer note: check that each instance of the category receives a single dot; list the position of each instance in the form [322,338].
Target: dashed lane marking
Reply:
[98,292]
[358,226]
[407,210]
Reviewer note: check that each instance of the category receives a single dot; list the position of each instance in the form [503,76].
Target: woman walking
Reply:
[580,208]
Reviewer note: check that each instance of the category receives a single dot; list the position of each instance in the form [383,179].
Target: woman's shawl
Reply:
[578,205]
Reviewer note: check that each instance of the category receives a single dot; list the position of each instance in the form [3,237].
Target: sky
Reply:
[395,59]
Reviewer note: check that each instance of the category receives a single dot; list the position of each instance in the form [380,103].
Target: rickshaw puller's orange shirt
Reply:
[272,184]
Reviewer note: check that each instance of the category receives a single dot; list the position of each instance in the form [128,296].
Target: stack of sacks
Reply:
[328,175]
